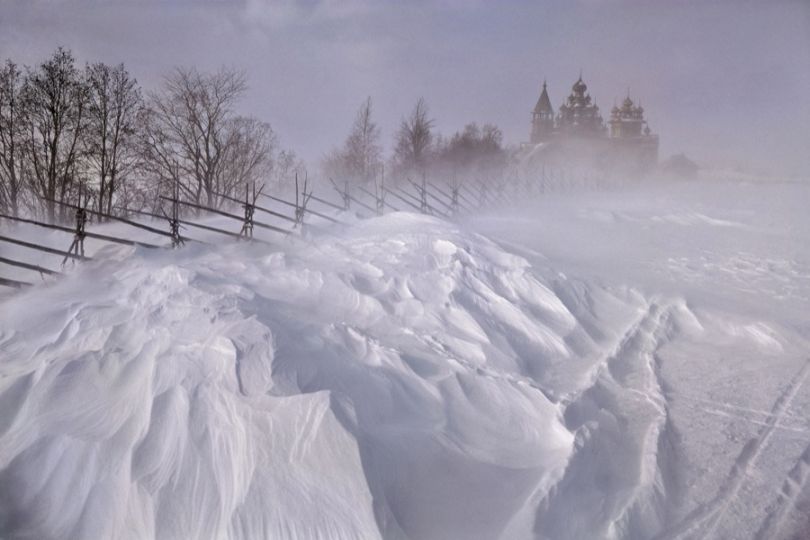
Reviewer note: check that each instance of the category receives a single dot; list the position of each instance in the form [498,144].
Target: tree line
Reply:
[476,151]
[66,129]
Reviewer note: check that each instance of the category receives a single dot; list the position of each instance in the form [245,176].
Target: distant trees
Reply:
[474,150]
[360,158]
[418,149]
[62,126]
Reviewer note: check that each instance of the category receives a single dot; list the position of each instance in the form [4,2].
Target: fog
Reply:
[415,336]
[724,82]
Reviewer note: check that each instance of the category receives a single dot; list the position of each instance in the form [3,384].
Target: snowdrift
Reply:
[402,378]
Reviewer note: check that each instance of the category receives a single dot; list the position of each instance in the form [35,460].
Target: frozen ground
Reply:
[627,363]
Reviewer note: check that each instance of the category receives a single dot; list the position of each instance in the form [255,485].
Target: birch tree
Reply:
[414,140]
[360,158]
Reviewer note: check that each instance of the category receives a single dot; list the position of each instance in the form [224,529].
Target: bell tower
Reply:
[542,118]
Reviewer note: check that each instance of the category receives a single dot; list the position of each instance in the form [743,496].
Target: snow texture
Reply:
[625,364]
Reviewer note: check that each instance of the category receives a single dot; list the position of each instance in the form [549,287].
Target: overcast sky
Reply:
[723,81]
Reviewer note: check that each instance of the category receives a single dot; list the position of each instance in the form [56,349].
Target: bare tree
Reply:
[55,98]
[248,154]
[159,152]
[114,103]
[414,140]
[360,158]
[334,166]
[190,130]
[12,138]
[286,165]
[363,151]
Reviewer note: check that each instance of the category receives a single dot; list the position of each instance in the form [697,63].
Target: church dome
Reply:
[579,86]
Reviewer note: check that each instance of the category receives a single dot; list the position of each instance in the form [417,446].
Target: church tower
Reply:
[578,115]
[627,121]
[542,118]
[630,136]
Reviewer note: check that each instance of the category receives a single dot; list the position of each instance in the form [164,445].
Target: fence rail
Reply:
[449,201]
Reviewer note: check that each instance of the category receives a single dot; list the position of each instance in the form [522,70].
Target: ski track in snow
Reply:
[793,487]
[702,521]
[738,254]
[629,375]
[648,337]
[735,410]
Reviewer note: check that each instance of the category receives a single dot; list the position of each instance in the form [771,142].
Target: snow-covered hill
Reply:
[409,378]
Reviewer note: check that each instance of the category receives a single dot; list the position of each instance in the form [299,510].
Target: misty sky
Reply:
[724,81]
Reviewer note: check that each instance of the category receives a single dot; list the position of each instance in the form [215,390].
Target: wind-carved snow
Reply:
[401,378]
[395,381]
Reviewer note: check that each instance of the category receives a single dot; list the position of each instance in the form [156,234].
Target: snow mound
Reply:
[398,379]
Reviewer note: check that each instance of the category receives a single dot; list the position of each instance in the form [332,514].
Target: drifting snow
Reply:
[404,378]
[340,389]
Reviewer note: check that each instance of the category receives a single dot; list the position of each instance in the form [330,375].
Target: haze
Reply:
[725,82]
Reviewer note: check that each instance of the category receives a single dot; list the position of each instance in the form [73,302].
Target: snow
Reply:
[612,363]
